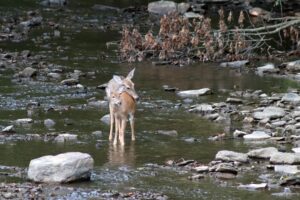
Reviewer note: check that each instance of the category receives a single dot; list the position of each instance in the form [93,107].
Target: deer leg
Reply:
[111,114]
[117,130]
[122,132]
[131,119]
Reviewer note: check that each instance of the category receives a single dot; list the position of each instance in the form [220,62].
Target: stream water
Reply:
[119,168]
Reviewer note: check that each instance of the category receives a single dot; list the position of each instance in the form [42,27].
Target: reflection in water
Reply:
[119,155]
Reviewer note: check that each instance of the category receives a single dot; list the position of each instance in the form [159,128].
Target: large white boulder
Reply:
[62,168]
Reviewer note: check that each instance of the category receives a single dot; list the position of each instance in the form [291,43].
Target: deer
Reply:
[121,93]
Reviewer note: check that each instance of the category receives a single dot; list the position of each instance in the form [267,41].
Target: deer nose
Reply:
[137,98]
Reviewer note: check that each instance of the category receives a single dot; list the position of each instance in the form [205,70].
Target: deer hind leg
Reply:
[131,120]
[122,131]
[111,114]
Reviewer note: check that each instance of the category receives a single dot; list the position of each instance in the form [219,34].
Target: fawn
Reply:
[115,87]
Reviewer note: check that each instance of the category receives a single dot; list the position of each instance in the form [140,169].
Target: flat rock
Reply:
[202,108]
[201,169]
[254,186]
[270,112]
[286,169]
[264,153]
[62,168]
[24,121]
[162,7]
[231,156]
[257,135]
[191,15]
[172,133]
[285,158]
[235,64]
[194,93]
[66,137]
[291,98]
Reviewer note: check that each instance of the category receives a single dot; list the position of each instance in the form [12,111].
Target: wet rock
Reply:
[238,133]
[61,138]
[23,121]
[296,150]
[97,134]
[182,163]
[70,82]
[224,176]
[257,135]
[98,104]
[291,98]
[201,169]
[194,93]
[28,72]
[100,7]
[231,156]
[264,153]
[49,123]
[162,7]
[234,100]
[268,68]
[293,66]
[9,129]
[53,2]
[61,168]
[54,75]
[192,15]
[172,133]
[290,181]
[286,169]
[254,186]
[202,108]
[270,112]
[235,64]
[225,168]
[106,119]
[183,7]
[285,158]
[167,88]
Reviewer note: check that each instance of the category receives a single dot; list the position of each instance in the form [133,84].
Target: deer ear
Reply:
[118,79]
[131,74]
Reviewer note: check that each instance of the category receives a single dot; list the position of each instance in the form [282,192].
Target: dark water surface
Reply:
[115,167]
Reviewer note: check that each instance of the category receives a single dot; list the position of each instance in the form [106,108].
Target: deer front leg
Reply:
[122,131]
[117,130]
[111,114]
[131,119]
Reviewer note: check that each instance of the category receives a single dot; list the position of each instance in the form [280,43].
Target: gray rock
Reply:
[9,129]
[100,7]
[62,168]
[290,181]
[234,100]
[172,133]
[264,153]
[49,123]
[23,121]
[286,169]
[162,7]
[53,2]
[224,176]
[201,169]
[291,98]
[183,7]
[28,72]
[70,81]
[270,112]
[254,186]
[97,134]
[296,150]
[231,156]
[238,133]
[293,66]
[66,137]
[54,75]
[257,135]
[191,15]
[268,68]
[285,158]
[235,64]
[194,93]
[98,104]
[203,109]
[106,119]
[226,168]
